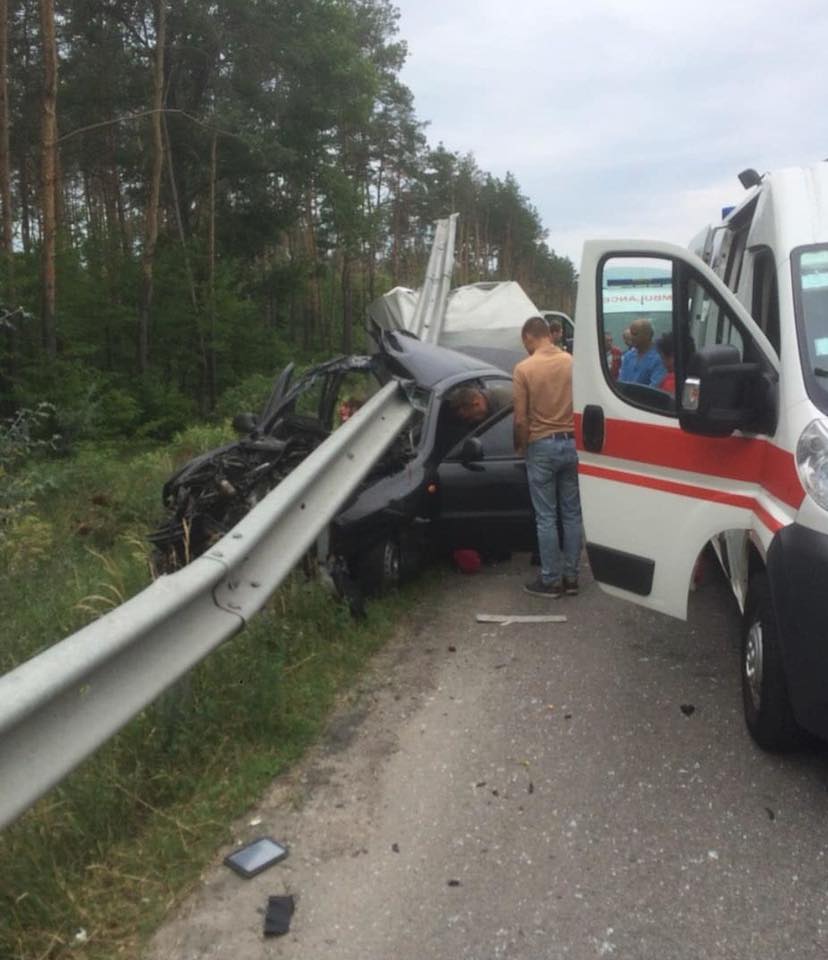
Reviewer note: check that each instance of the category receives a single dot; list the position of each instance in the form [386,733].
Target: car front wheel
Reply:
[768,712]
[379,567]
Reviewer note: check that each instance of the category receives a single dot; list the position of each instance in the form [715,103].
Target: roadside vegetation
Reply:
[247,178]
[91,870]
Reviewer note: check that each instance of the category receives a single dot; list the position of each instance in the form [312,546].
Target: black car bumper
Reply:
[798,573]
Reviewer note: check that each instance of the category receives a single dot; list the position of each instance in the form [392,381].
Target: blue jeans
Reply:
[552,470]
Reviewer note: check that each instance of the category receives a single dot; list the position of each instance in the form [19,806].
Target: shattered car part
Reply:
[210,494]
[428,491]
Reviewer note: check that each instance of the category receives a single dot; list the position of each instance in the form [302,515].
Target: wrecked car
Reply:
[451,479]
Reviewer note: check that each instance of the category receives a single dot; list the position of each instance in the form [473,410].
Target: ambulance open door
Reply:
[666,465]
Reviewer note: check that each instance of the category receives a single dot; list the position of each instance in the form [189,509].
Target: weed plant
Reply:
[93,867]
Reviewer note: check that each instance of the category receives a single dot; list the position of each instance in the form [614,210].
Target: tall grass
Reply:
[93,867]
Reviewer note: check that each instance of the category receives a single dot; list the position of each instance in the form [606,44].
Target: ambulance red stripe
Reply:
[684,490]
[731,458]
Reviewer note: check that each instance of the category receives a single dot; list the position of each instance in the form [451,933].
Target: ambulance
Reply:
[736,453]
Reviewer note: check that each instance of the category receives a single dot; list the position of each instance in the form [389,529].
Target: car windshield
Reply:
[810,267]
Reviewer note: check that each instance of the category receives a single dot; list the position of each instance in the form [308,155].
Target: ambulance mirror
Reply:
[720,393]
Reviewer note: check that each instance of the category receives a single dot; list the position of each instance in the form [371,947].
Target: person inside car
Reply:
[473,405]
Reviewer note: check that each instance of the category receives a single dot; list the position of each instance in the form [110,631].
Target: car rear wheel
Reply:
[768,712]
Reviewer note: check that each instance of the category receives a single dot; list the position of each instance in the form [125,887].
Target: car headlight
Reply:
[812,460]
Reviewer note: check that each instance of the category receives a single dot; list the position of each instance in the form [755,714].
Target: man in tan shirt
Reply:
[545,435]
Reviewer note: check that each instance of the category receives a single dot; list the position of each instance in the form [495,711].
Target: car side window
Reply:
[308,403]
[499,439]
[457,416]
[467,408]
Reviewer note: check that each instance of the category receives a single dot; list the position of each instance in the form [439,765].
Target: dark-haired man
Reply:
[545,435]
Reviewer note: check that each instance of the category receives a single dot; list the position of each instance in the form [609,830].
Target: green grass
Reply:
[127,835]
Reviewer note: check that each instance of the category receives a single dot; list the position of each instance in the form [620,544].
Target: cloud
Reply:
[621,117]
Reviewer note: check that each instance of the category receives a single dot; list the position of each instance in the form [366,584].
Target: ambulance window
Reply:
[708,322]
[810,275]
[671,312]
[636,331]
[735,259]
[765,301]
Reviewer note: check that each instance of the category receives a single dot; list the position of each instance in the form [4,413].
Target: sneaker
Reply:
[570,586]
[541,589]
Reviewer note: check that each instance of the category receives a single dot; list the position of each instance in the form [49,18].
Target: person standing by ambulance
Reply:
[545,436]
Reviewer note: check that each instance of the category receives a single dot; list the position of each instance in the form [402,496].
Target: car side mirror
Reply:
[244,423]
[471,451]
[721,393]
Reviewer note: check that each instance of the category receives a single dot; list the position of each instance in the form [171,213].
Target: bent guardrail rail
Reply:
[430,311]
[61,705]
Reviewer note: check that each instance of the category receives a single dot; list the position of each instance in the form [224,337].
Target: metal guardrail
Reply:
[430,312]
[60,706]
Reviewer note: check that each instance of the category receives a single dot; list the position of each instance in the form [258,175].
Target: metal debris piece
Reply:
[505,619]
[277,917]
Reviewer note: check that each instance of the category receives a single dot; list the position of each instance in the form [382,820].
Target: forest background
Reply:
[193,193]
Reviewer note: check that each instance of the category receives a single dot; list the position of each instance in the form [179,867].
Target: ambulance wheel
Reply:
[768,713]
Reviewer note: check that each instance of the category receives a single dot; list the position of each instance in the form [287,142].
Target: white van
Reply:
[737,452]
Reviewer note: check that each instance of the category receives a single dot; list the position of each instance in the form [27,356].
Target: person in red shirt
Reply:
[667,351]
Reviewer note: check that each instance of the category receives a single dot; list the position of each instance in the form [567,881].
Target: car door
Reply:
[652,493]
[484,503]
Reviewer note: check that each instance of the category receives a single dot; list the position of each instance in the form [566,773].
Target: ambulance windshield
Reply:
[811,279]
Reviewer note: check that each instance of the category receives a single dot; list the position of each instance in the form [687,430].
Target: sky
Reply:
[622,118]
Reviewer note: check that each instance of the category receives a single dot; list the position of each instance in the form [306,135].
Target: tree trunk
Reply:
[151,220]
[48,177]
[202,347]
[211,273]
[25,206]
[313,315]
[347,304]
[6,234]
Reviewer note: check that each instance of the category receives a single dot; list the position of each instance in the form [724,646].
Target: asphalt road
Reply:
[536,791]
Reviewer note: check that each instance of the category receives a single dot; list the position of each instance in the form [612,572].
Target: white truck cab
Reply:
[732,448]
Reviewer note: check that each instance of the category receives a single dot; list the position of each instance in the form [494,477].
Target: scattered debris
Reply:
[531,787]
[452,649]
[256,856]
[567,716]
[81,936]
[506,619]
[482,783]
[454,883]
[395,847]
[277,918]
[255,822]
[687,709]
[770,813]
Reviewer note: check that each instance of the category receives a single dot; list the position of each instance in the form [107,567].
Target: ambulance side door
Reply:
[654,491]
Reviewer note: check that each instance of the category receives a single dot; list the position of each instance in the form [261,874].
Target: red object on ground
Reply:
[467,561]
